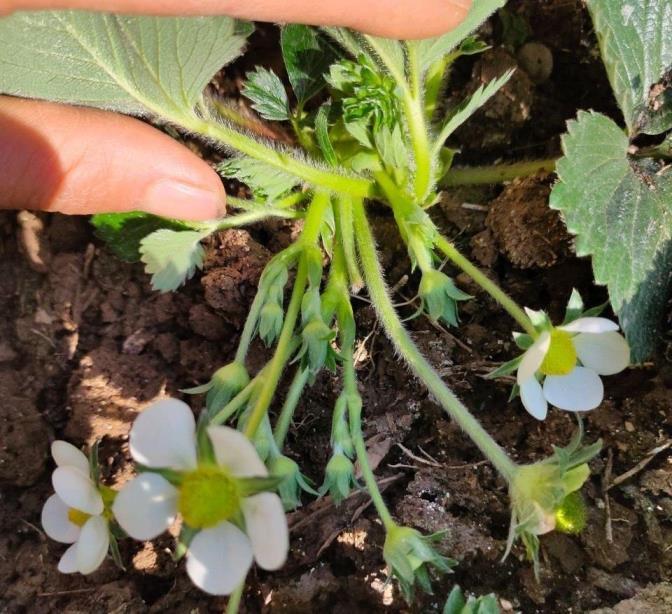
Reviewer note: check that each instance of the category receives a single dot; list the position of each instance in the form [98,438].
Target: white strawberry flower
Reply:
[77,513]
[233,529]
[564,364]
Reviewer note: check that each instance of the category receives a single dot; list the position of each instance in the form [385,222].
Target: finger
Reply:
[392,18]
[59,158]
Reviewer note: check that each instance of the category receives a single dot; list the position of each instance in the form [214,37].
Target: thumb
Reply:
[78,161]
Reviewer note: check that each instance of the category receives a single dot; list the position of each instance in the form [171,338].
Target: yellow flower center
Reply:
[208,496]
[561,356]
[77,516]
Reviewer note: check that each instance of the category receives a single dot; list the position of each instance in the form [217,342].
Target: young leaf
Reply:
[470,106]
[621,211]
[266,182]
[123,232]
[432,49]
[636,43]
[307,57]
[131,64]
[267,93]
[172,257]
[322,134]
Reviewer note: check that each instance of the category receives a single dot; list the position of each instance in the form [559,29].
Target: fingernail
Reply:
[171,198]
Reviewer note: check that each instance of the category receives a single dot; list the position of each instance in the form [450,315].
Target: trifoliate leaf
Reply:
[307,57]
[172,257]
[621,211]
[267,93]
[432,49]
[266,182]
[123,232]
[131,64]
[636,42]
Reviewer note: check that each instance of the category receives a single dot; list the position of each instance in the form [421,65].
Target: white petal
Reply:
[266,526]
[532,396]
[590,325]
[56,523]
[146,506]
[67,455]
[580,390]
[219,559]
[68,562]
[77,490]
[164,435]
[235,452]
[533,357]
[92,545]
[605,353]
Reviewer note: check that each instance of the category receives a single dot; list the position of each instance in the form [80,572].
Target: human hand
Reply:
[73,160]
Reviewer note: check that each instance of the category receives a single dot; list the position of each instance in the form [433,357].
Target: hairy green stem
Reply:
[498,173]
[309,236]
[355,422]
[402,340]
[513,308]
[289,406]
[283,160]
[343,219]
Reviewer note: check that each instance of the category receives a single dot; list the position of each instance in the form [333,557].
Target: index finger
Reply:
[408,19]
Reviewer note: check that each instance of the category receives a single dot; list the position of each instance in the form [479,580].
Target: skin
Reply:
[79,161]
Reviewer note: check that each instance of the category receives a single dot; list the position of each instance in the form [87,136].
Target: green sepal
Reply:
[253,486]
[339,478]
[170,475]
[271,318]
[574,307]
[293,481]
[183,541]
[114,551]
[522,340]
[539,319]
[506,369]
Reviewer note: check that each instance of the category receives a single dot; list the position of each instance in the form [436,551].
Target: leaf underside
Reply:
[621,211]
[172,257]
[131,64]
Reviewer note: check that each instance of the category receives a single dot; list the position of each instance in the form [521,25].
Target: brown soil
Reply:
[85,345]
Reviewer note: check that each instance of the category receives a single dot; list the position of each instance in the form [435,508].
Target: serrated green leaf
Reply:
[468,107]
[267,93]
[636,42]
[266,182]
[123,231]
[322,134]
[172,257]
[621,211]
[131,64]
[432,49]
[307,57]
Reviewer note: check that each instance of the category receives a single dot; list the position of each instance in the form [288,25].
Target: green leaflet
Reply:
[636,42]
[621,211]
[433,49]
[265,181]
[172,257]
[267,93]
[307,57]
[130,64]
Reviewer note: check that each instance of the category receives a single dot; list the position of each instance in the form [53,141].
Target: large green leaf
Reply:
[432,49]
[129,64]
[636,42]
[621,211]
[307,58]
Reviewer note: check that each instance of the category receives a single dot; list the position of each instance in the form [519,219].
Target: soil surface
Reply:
[85,345]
